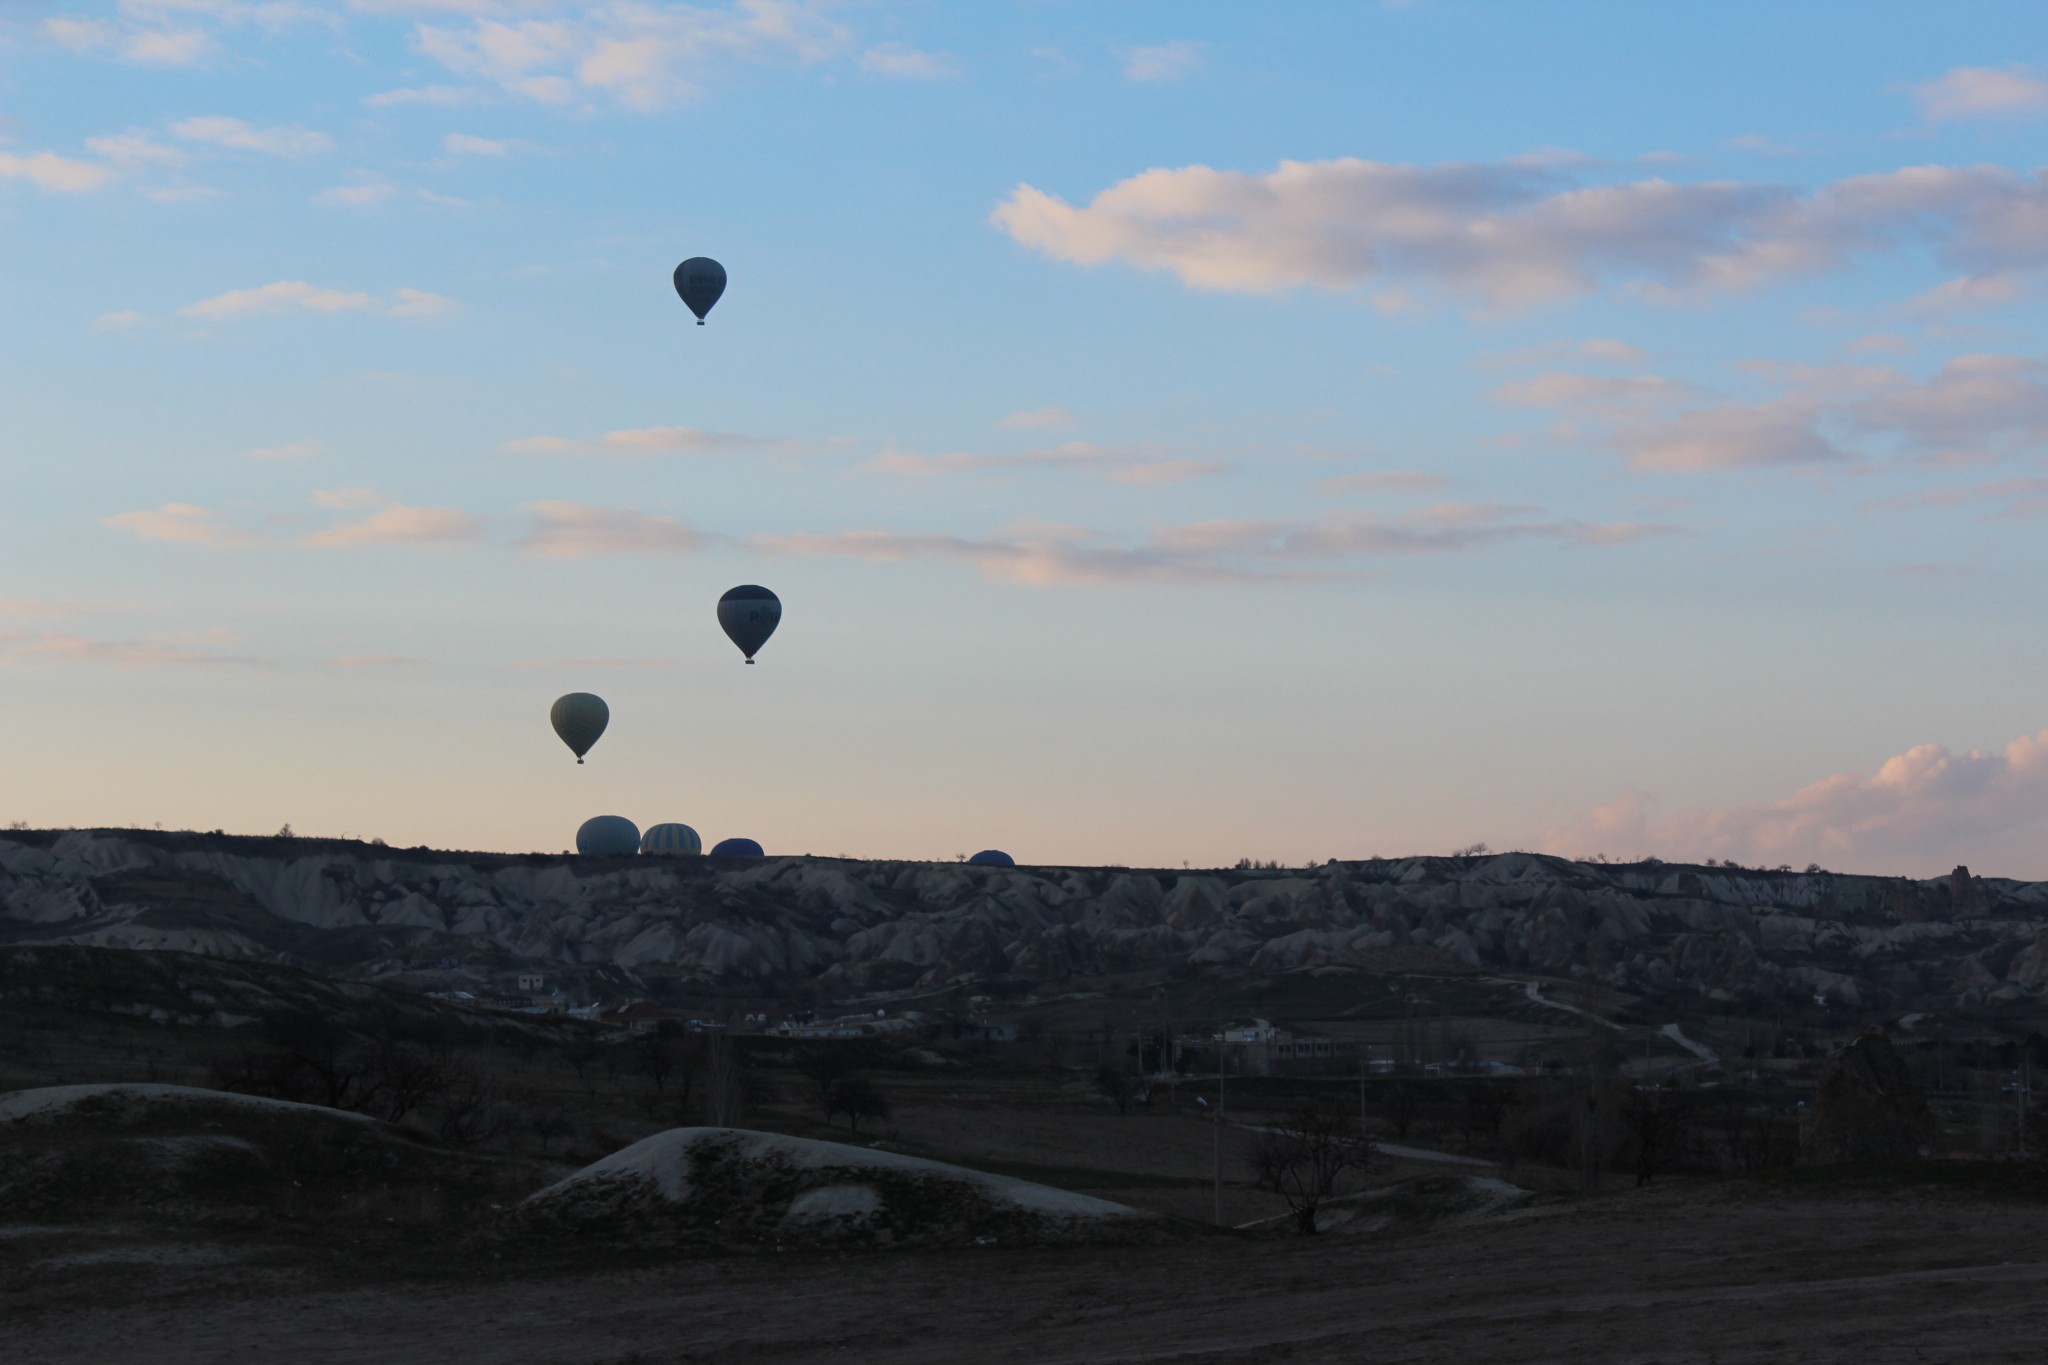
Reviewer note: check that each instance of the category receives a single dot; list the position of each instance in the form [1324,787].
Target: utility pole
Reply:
[1222,1052]
[2022,1091]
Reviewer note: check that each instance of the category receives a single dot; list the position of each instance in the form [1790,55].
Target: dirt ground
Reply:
[1722,1272]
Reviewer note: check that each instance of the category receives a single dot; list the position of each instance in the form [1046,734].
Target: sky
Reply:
[1177,434]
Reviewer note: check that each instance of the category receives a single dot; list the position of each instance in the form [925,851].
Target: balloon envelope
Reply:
[749,615]
[579,719]
[672,840]
[736,848]
[699,282]
[992,857]
[604,836]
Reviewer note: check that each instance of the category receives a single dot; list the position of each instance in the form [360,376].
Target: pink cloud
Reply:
[1921,811]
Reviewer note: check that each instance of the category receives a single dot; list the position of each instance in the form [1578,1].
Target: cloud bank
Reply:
[1511,234]
[1922,811]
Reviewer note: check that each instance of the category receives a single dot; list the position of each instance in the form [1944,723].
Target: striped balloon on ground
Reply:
[672,841]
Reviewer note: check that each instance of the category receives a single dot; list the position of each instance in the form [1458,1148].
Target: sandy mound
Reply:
[198,1154]
[126,1105]
[731,1185]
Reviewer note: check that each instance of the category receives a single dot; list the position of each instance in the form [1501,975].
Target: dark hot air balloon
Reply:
[749,614]
[699,282]
[992,857]
[603,836]
[579,719]
[735,848]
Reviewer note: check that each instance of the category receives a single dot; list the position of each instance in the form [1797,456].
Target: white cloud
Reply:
[182,523]
[56,174]
[1137,465]
[182,194]
[166,47]
[347,499]
[1163,61]
[400,525]
[1038,417]
[55,647]
[1384,481]
[1602,350]
[53,609]
[356,196]
[1980,92]
[1509,236]
[175,32]
[643,56]
[417,303]
[1922,811]
[898,62]
[291,450]
[642,442]
[134,149]
[464,144]
[571,530]
[1974,408]
[297,296]
[80,35]
[1216,552]
[2020,497]
[237,135]
[434,96]
[1971,294]
[373,661]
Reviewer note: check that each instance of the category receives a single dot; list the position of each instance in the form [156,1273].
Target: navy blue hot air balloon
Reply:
[749,615]
[604,836]
[699,282]
[735,848]
[992,857]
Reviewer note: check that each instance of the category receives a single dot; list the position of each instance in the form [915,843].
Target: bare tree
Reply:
[1399,1104]
[1119,1086]
[725,1082]
[582,1054]
[1303,1156]
[549,1124]
[469,1111]
[1657,1123]
[825,1067]
[857,1098]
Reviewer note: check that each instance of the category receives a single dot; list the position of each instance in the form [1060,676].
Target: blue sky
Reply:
[1176,433]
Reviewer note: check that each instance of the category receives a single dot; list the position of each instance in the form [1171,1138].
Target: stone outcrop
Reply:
[847,926]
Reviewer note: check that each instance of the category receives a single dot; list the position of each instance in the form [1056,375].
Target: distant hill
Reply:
[839,927]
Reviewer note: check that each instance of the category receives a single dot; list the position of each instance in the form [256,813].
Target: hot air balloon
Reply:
[672,840]
[699,282]
[749,615]
[607,836]
[992,857]
[579,719]
[735,848]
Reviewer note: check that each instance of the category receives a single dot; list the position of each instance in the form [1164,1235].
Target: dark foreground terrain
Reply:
[1611,1105]
[1738,1271]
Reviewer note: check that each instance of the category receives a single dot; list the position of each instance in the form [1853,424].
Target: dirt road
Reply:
[1671,1276]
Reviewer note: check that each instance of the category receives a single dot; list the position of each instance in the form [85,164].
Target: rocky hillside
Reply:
[1746,937]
